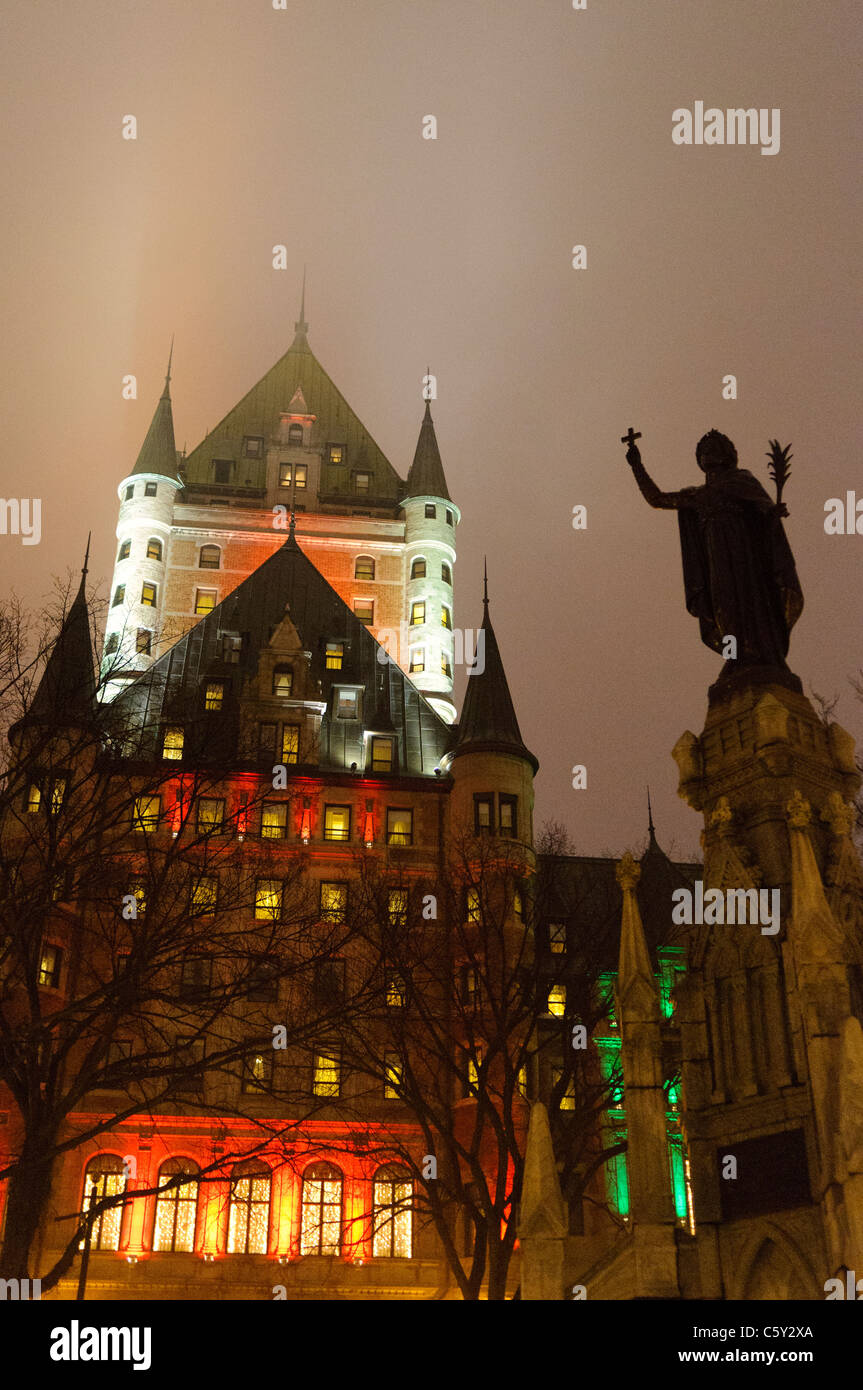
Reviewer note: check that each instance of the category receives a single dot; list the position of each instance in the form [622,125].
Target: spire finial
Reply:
[301,326]
[650,827]
[292,526]
[86,558]
[484,584]
[166,391]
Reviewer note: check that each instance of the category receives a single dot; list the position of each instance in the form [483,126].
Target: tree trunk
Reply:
[27,1198]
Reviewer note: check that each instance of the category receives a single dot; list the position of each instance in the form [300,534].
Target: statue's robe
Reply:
[738,569]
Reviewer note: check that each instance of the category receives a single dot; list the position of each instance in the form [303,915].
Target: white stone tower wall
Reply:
[140,519]
[431,539]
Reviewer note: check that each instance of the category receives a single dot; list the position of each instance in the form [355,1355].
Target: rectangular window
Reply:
[337,823]
[397,907]
[474,911]
[154,549]
[449,517]
[362,481]
[557,937]
[290,743]
[172,744]
[394,1075]
[335,655]
[139,892]
[146,813]
[397,994]
[347,704]
[274,820]
[50,964]
[125,550]
[268,899]
[334,901]
[232,645]
[330,979]
[34,798]
[293,475]
[205,600]
[431,510]
[211,815]
[556,1001]
[445,667]
[364,609]
[417,659]
[148,595]
[263,980]
[469,987]
[518,904]
[445,618]
[203,896]
[222,471]
[253,446]
[150,489]
[214,694]
[474,1066]
[382,754]
[143,640]
[196,974]
[400,826]
[119,595]
[335,454]
[130,492]
[483,816]
[267,740]
[58,794]
[327,1077]
[508,814]
[418,614]
[283,682]
[257,1071]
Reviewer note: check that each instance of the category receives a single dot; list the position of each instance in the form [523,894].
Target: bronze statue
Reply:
[738,570]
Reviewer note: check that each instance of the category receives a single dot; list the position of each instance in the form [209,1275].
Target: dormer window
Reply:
[364,568]
[172,745]
[382,754]
[253,446]
[335,655]
[214,695]
[362,482]
[222,471]
[446,573]
[150,489]
[295,434]
[336,454]
[125,548]
[210,557]
[418,569]
[154,549]
[347,704]
[431,511]
[283,681]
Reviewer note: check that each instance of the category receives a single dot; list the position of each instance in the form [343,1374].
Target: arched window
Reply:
[364,568]
[418,569]
[393,1195]
[322,1210]
[210,557]
[249,1209]
[105,1177]
[125,548]
[177,1207]
[446,573]
[154,548]
[295,434]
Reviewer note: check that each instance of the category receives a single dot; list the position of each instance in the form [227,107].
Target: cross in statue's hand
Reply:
[630,437]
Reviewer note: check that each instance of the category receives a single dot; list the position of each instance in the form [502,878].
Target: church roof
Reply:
[287,584]
[488,722]
[426,476]
[159,452]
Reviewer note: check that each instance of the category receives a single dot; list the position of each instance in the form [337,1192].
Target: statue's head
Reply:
[715,452]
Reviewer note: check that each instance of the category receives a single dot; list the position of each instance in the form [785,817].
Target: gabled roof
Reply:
[488,722]
[159,452]
[259,414]
[171,690]
[426,476]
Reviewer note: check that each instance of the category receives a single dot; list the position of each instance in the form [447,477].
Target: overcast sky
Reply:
[304,127]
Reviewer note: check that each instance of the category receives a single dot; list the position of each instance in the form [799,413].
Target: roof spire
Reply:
[293,525]
[484,585]
[301,328]
[66,693]
[426,476]
[167,390]
[488,722]
[650,827]
[159,452]
[86,558]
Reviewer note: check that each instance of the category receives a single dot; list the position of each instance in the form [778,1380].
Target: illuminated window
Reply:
[205,600]
[143,641]
[214,694]
[125,549]
[172,744]
[469,986]
[391,1222]
[50,966]
[146,813]
[209,557]
[446,573]
[283,681]
[154,549]
[176,1207]
[335,655]
[521,1081]
[327,1077]
[105,1177]
[257,1071]
[474,1066]
[196,976]
[321,1232]
[518,904]
[253,446]
[393,1075]
[445,618]
[148,595]
[274,820]
[431,510]
[449,517]
[382,755]
[418,659]
[397,907]
[34,798]
[337,823]
[474,911]
[364,609]
[210,816]
[556,1001]
[444,665]
[139,892]
[294,474]
[418,569]
[418,614]
[508,813]
[268,899]
[483,815]
[347,704]
[400,826]
[57,795]
[334,901]
[290,743]
[336,454]
[364,567]
[295,433]
[150,489]
[397,992]
[119,595]
[249,1209]
[557,937]
[362,481]
[567,1099]
[203,896]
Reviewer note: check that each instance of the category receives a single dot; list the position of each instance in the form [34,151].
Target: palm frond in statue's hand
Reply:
[779,466]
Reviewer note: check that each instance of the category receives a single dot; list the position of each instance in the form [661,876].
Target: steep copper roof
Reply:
[488,722]
[426,476]
[159,452]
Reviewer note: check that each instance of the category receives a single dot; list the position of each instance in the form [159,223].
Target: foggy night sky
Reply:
[258,126]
